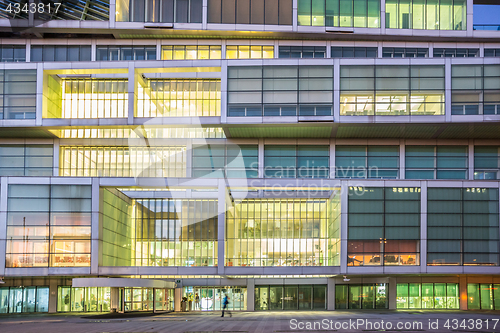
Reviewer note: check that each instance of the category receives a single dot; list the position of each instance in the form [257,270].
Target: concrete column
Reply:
[250,294]
[447,89]
[330,289]
[154,300]
[344,197]
[471,160]
[423,227]
[39,94]
[96,233]
[221,258]
[260,159]
[53,296]
[332,158]
[402,160]
[115,298]
[177,299]
[204,16]
[336,89]
[462,286]
[294,15]
[132,94]
[392,293]
[223,92]
[3,222]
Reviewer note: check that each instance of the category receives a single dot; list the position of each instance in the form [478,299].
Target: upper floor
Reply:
[342,19]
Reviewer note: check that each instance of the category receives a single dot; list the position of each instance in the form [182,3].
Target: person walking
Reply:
[197,302]
[225,307]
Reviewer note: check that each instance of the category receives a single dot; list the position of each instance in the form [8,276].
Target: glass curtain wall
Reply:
[179,98]
[275,12]
[384,226]
[367,162]
[161,11]
[427,296]
[24,299]
[173,232]
[426,14]
[190,52]
[142,299]
[48,226]
[290,297]
[249,51]
[124,161]
[84,299]
[280,91]
[13,53]
[486,162]
[391,90]
[436,162]
[26,160]
[475,89]
[462,226]
[284,232]
[211,298]
[365,296]
[296,161]
[225,161]
[484,296]
[339,13]
[125,53]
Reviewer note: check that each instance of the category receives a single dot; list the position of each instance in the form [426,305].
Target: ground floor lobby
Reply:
[206,294]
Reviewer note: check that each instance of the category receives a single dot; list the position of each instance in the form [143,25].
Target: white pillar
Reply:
[250,294]
[392,293]
[330,289]
[423,227]
[52,296]
[177,299]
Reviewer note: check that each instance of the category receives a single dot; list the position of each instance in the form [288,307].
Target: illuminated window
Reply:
[125,161]
[179,98]
[173,232]
[384,226]
[83,299]
[249,52]
[90,99]
[391,90]
[484,296]
[283,232]
[211,298]
[426,14]
[365,296]
[339,13]
[462,226]
[24,299]
[122,133]
[427,296]
[48,226]
[188,52]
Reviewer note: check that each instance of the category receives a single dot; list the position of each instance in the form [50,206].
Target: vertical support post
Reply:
[330,289]
[132,92]
[447,89]
[3,222]
[250,294]
[52,295]
[471,160]
[462,286]
[221,226]
[423,227]
[344,197]
[223,92]
[392,293]
[402,159]
[95,256]
[177,299]
[336,89]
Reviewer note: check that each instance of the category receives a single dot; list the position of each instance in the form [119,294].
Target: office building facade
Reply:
[292,154]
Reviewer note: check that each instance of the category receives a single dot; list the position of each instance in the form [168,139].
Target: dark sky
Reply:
[486,14]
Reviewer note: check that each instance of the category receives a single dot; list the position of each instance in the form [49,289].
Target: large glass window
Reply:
[486,162]
[24,299]
[290,297]
[249,52]
[250,12]
[484,296]
[427,296]
[280,91]
[116,52]
[296,161]
[339,13]
[179,98]
[88,299]
[475,89]
[12,53]
[172,232]
[26,160]
[87,99]
[367,162]
[391,90]
[60,53]
[221,161]
[190,52]
[17,93]
[167,11]
[436,162]
[353,52]
[402,52]
[302,51]
[211,298]
[455,53]
[365,296]
[124,161]
[275,232]
[426,14]
[48,226]
[384,226]
[462,226]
